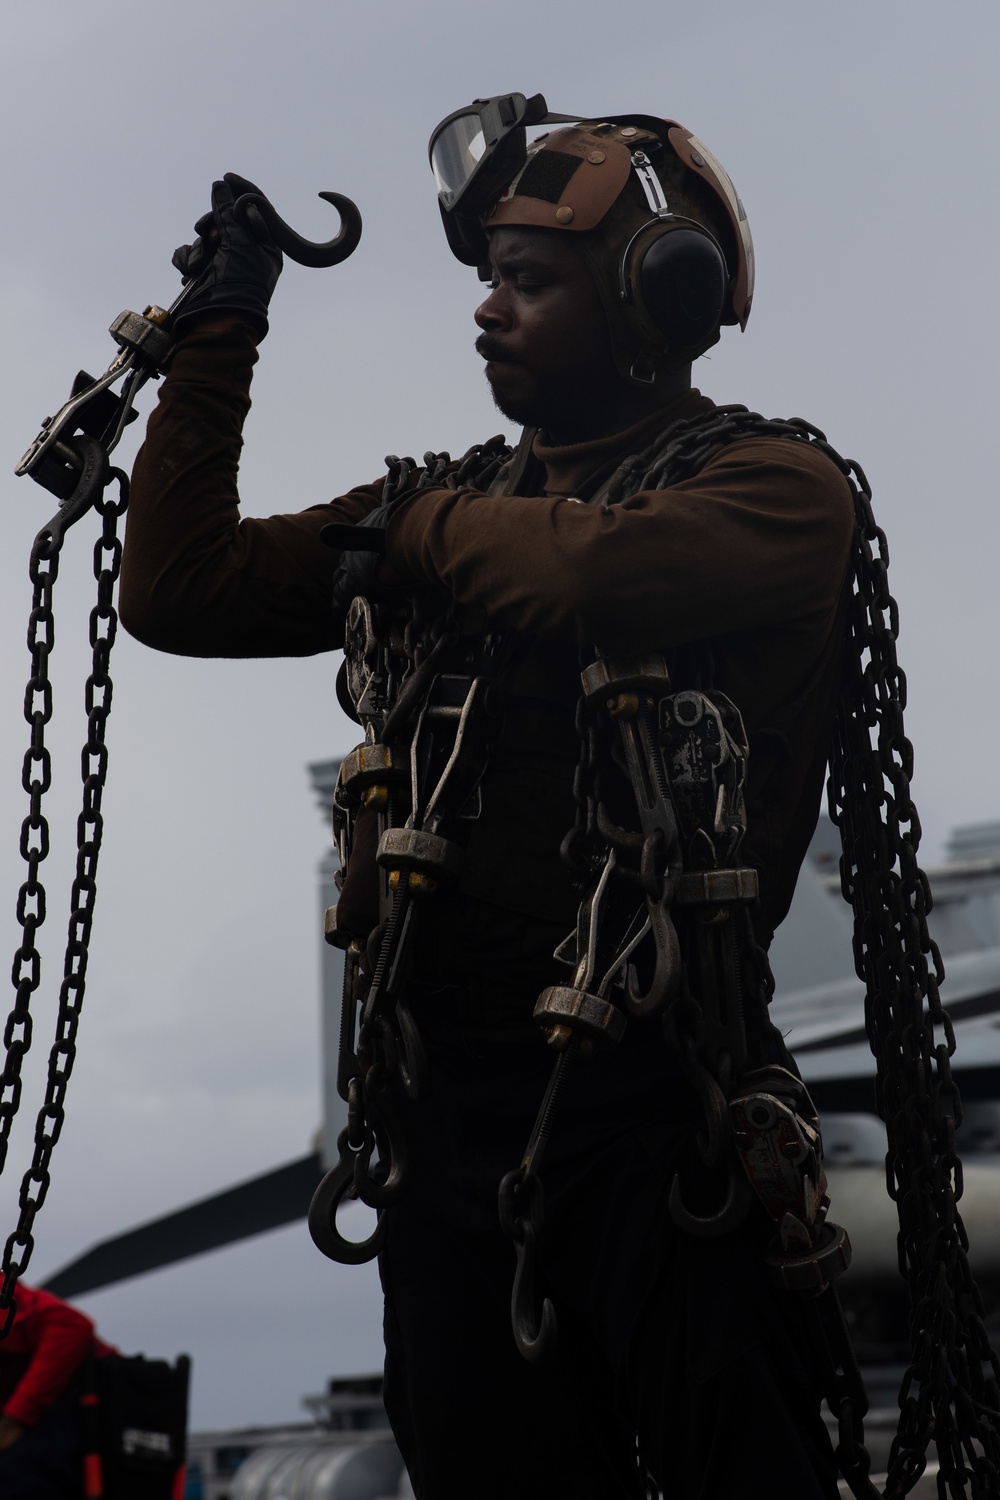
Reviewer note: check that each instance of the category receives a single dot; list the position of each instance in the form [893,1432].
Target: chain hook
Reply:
[93,460]
[534,1332]
[337,1185]
[258,214]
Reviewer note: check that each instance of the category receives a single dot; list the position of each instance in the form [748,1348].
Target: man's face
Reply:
[545,337]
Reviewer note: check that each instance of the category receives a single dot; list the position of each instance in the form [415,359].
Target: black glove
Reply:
[242,270]
[363,546]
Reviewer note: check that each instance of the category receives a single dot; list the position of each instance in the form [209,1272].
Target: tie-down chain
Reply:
[399,670]
[685,755]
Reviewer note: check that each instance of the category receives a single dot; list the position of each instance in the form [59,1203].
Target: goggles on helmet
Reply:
[474,154]
[488,175]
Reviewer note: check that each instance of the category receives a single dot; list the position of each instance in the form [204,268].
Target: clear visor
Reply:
[456,153]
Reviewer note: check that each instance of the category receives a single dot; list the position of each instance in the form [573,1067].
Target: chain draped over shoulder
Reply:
[950,1390]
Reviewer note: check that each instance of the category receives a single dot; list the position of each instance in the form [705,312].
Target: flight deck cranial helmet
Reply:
[660,225]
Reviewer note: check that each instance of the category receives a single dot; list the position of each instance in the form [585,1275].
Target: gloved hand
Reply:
[243,270]
[363,546]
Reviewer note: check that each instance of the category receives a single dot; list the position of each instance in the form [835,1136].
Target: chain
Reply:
[951,1390]
[415,691]
[36,779]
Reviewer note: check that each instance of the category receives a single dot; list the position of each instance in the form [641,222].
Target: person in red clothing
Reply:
[41,1361]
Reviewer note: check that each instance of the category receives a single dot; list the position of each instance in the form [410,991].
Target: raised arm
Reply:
[196,579]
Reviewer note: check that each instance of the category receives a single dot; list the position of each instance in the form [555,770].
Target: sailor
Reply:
[616,250]
[41,1429]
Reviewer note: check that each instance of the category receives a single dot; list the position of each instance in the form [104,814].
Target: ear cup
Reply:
[682,283]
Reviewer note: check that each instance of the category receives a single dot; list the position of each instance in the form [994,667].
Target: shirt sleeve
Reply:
[196,578]
[760,536]
[57,1339]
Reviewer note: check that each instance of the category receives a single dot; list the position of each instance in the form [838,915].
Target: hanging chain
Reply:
[423,704]
[951,1390]
[36,779]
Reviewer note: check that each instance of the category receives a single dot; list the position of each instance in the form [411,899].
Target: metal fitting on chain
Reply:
[717,887]
[614,682]
[136,331]
[775,1127]
[355,1115]
[417,885]
[368,772]
[562,1010]
[623,706]
[410,852]
[813,1270]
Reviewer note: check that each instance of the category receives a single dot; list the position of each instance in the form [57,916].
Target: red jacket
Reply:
[44,1349]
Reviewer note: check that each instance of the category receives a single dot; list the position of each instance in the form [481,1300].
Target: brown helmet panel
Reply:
[570,181]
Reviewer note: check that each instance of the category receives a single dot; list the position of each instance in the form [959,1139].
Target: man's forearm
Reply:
[196,579]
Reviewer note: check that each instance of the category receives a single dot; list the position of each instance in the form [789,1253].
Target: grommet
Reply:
[564,215]
[596,157]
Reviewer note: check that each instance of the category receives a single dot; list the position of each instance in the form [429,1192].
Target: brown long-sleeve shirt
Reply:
[751,555]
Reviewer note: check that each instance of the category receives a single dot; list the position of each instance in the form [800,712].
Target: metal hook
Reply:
[93,477]
[258,214]
[376,1192]
[666,967]
[734,1209]
[533,1335]
[337,1185]
[411,1055]
[715,1139]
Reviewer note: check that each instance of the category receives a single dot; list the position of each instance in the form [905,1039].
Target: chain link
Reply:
[950,1393]
[951,1390]
[415,641]
[34,843]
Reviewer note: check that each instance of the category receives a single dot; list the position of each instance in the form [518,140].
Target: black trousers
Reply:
[675,1356]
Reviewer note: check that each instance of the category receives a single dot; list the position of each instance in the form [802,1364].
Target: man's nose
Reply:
[494,313]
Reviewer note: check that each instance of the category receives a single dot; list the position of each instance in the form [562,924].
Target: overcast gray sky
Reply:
[862,137]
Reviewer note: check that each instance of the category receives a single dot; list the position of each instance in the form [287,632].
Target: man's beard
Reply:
[550,409]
